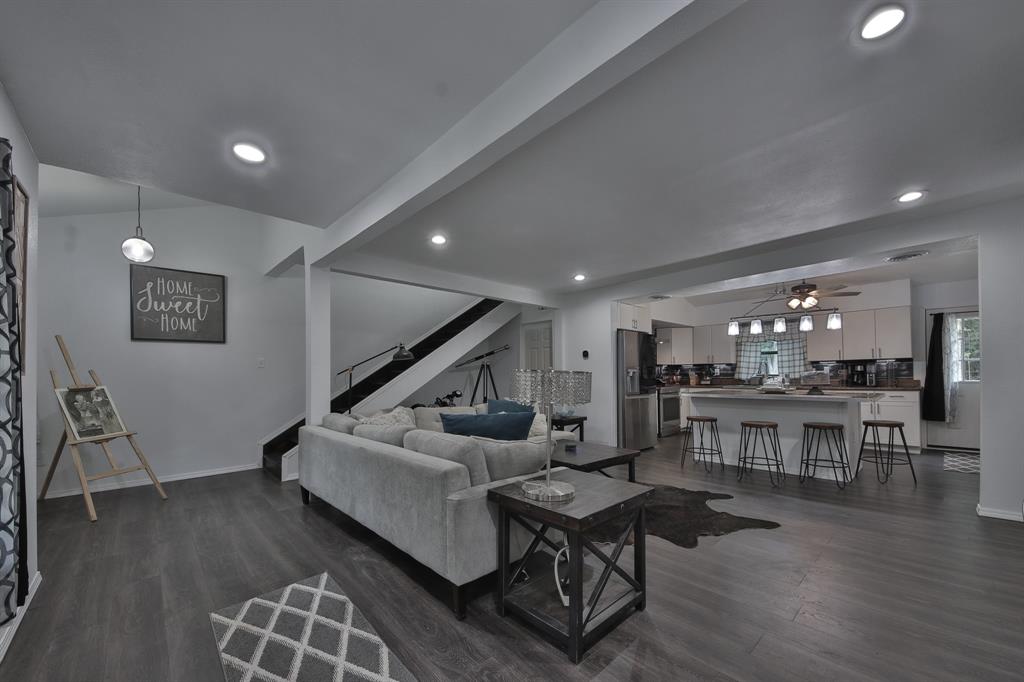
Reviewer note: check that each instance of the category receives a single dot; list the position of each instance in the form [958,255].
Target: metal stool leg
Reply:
[742,453]
[907,451]
[860,453]
[880,471]
[686,439]
[777,450]
[716,439]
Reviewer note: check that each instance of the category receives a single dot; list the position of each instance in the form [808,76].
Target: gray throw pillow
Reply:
[466,451]
[393,435]
[340,422]
[508,458]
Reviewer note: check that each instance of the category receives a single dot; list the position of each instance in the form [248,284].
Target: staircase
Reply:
[276,447]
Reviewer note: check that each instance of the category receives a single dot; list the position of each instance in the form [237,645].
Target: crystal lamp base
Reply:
[555,491]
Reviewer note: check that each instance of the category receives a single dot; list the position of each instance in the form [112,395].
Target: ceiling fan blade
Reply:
[841,293]
[832,287]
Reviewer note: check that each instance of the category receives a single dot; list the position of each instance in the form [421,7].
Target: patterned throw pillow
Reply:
[400,416]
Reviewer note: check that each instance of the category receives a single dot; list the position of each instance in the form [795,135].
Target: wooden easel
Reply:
[67,438]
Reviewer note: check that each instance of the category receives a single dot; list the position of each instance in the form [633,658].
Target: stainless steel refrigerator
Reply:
[637,390]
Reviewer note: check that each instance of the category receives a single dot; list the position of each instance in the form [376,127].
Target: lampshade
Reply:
[756,327]
[793,303]
[403,354]
[809,302]
[806,323]
[779,326]
[835,321]
[734,328]
[137,249]
[551,386]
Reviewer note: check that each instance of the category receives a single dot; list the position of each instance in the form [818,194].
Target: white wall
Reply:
[588,324]
[26,168]
[197,407]
[1000,283]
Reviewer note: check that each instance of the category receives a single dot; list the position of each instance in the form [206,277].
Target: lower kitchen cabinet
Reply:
[896,406]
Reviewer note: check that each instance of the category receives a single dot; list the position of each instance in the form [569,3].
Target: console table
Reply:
[598,500]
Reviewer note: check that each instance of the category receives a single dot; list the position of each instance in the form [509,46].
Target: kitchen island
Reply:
[790,410]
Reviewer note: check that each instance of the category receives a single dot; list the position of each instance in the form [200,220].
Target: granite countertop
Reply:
[747,394]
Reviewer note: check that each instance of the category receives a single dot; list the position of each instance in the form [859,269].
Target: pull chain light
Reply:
[137,249]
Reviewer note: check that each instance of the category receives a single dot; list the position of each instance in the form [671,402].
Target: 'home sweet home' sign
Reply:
[177,305]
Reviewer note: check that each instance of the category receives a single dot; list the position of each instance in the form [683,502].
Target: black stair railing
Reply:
[357,391]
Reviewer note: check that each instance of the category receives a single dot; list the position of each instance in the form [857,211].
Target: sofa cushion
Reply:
[512,458]
[340,422]
[504,426]
[395,435]
[461,449]
[400,416]
[499,405]
[429,418]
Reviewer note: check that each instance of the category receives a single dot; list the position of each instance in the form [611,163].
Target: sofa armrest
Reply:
[397,493]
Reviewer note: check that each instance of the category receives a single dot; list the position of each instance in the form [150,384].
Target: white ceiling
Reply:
[773,122]
[341,94]
[954,266]
[64,192]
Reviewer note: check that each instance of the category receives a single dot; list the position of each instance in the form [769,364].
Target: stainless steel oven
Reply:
[669,412]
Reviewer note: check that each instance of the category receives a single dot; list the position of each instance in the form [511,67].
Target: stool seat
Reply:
[701,418]
[827,426]
[760,425]
[884,423]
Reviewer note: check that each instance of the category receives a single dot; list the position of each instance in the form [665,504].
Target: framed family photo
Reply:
[90,413]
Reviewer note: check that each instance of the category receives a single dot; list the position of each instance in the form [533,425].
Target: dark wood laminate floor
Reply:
[877,582]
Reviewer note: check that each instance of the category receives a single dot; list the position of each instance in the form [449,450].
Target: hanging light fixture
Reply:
[809,302]
[137,249]
[835,321]
[794,303]
[756,327]
[779,326]
[734,328]
[806,323]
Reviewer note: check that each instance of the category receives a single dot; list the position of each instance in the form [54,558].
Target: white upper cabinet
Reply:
[723,346]
[682,346]
[664,338]
[701,345]
[635,318]
[824,345]
[859,335]
[892,333]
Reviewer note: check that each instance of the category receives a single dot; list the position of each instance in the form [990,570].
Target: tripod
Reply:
[484,374]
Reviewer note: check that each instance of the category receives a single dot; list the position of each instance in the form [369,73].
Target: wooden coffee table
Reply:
[588,617]
[595,457]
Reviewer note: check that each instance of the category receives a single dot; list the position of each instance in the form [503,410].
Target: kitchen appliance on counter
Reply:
[669,411]
[637,390]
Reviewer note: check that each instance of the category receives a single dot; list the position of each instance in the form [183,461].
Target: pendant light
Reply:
[137,249]
[779,326]
[734,328]
[756,327]
[835,321]
[806,323]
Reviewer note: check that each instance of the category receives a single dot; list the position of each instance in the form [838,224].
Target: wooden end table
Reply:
[575,424]
[597,501]
[594,457]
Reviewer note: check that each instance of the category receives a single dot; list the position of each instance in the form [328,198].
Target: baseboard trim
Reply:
[8,631]
[1000,514]
[111,484]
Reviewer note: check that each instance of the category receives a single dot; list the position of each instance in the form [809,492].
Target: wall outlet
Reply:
[261,363]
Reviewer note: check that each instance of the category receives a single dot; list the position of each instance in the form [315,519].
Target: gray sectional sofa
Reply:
[422,490]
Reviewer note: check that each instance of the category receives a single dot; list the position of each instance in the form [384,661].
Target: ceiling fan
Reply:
[807,295]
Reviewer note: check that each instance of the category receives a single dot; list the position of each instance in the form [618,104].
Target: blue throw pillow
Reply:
[508,426]
[498,406]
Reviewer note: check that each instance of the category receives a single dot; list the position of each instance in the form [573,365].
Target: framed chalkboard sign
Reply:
[177,305]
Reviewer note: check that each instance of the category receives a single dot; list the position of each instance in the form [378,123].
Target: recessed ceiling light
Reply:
[911,196]
[439,240]
[579,277]
[249,153]
[882,21]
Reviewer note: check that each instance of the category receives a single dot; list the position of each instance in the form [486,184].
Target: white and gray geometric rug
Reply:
[306,632]
[962,462]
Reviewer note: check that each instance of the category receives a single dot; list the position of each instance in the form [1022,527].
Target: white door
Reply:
[824,344]
[701,345]
[537,345]
[859,335]
[682,346]
[892,332]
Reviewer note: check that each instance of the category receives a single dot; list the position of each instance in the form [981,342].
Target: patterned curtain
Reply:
[13,533]
[792,350]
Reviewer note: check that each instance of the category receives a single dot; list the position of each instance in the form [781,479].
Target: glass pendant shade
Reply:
[779,326]
[835,321]
[806,323]
[809,302]
[137,249]
[403,354]
[734,328]
[756,327]
[794,303]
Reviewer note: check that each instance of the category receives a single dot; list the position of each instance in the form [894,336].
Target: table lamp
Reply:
[550,387]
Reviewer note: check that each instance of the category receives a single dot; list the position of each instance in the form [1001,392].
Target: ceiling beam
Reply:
[610,42]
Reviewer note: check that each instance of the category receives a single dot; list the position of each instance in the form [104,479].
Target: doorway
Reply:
[964,365]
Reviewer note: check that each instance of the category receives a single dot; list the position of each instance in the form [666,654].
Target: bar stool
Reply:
[750,431]
[884,460]
[697,426]
[838,459]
